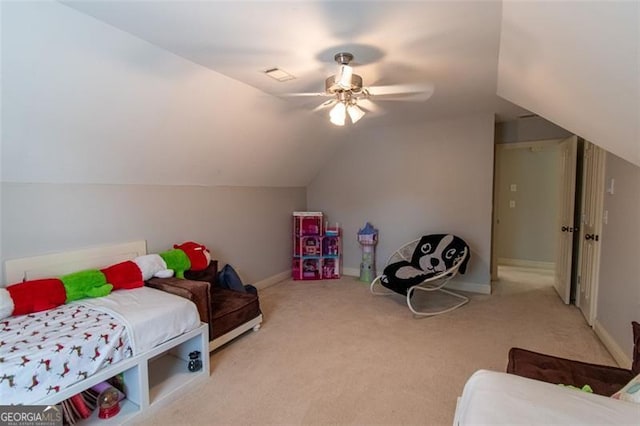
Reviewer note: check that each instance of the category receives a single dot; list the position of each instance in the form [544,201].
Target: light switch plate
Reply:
[512,204]
[513,187]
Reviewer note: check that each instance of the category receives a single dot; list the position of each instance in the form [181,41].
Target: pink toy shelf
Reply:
[316,248]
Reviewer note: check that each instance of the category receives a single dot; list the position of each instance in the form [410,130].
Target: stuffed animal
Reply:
[177,261]
[124,275]
[198,255]
[39,295]
[20,299]
[152,265]
[89,283]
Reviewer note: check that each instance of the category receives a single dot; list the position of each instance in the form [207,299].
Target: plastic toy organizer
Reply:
[316,248]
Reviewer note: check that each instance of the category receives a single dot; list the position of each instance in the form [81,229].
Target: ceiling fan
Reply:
[350,97]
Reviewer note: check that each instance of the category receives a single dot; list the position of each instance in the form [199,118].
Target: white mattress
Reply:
[492,398]
[152,316]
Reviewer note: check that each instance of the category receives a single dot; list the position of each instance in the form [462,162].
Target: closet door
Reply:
[565,225]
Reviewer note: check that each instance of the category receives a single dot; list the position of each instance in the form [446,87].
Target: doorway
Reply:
[526,207]
[560,185]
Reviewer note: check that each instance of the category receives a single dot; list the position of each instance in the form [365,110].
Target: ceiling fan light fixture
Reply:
[338,114]
[344,76]
[355,113]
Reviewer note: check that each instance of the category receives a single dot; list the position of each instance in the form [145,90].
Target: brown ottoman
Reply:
[603,379]
[228,313]
[229,309]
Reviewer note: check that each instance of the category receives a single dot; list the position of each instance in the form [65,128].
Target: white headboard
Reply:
[54,265]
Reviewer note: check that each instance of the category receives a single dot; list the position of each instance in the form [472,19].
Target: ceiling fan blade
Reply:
[304,94]
[368,105]
[402,92]
[325,104]
[371,108]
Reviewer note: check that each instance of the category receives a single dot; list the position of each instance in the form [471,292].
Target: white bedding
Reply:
[153,315]
[43,353]
[492,398]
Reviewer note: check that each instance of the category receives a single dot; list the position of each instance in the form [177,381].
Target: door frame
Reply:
[495,220]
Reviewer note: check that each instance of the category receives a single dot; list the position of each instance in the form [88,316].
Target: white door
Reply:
[565,226]
[590,229]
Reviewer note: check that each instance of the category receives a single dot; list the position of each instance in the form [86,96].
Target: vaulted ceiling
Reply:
[173,92]
[450,45]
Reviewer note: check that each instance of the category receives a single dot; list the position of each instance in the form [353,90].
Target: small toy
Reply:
[195,364]
[311,247]
[309,268]
[329,269]
[331,246]
[368,238]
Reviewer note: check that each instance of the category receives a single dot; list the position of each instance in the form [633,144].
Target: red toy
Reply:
[198,254]
[124,275]
[50,291]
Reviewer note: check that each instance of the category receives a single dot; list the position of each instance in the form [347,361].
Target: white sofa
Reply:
[493,398]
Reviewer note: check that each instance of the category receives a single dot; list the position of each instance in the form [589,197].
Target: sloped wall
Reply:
[576,64]
[413,180]
[107,138]
[84,102]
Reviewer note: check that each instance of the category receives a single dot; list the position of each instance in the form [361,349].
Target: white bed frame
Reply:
[149,377]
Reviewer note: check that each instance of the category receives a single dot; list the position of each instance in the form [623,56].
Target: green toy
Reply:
[83,284]
[177,260]
[585,388]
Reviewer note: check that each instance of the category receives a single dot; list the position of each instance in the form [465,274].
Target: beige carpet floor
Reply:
[331,353]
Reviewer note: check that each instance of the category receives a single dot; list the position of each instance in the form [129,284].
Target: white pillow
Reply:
[631,391]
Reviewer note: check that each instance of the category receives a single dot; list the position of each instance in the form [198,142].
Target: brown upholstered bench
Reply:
[228,313]
[604,380]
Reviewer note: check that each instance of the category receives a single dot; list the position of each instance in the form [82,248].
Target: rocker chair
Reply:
[425,265]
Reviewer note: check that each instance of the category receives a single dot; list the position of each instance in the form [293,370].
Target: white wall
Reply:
[409,181]
[84,102]
[619,281]
[247,227]
[577,65]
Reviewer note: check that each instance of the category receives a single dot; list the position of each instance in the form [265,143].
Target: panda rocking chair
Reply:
[425,265]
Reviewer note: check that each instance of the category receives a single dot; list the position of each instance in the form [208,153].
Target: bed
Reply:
[493,398]
[144,333]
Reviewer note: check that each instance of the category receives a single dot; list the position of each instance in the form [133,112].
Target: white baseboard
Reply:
[351,272]
[274,279]
[470,287]
[614,349]
[523,263]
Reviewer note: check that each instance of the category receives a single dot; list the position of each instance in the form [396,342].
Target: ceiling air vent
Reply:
[278,74]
